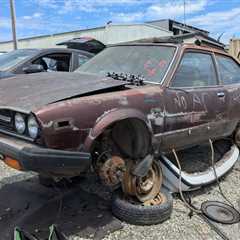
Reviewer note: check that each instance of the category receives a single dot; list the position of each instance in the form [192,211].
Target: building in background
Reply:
[111,34]
[234,47]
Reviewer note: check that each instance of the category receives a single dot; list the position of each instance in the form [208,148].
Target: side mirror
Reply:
[33,68]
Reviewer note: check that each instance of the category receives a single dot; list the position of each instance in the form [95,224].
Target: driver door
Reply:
[196,106]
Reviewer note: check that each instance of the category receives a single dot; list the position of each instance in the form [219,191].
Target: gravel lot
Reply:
[180,226]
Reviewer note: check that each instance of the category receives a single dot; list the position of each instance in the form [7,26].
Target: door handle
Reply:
[220,94]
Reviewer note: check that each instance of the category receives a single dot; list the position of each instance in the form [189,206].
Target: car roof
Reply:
[69,50]
[150,42]
[64,50]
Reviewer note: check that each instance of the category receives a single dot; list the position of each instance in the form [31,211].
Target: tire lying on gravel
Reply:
[138,214]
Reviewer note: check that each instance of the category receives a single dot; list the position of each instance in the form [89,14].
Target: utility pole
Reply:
[13,17]
[184,11]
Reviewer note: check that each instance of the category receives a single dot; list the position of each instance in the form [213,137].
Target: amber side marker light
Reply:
[12,163]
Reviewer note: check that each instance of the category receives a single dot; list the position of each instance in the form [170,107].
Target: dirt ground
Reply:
[84,212]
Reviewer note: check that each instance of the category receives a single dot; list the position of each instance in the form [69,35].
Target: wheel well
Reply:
[129,138]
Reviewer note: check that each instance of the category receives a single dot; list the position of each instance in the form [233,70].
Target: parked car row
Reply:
[119,113]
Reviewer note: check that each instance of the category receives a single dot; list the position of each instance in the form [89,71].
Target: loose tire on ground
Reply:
[138,214]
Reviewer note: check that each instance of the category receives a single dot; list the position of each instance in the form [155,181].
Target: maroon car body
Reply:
[76,109]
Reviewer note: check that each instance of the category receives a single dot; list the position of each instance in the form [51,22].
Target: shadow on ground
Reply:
[33,207]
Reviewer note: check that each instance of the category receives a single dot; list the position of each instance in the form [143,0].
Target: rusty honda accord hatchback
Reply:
[120,112]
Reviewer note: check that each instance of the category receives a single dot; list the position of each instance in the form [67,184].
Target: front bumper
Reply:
[34,158]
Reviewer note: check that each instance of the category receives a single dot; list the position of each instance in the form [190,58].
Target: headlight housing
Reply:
[33,127]
[19,122]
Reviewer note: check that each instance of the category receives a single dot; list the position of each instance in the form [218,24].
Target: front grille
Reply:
[6,119]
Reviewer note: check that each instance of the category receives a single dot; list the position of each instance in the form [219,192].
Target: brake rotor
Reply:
[111,171]
[144,188]
[220,212]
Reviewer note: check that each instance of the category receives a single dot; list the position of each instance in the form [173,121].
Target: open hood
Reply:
[32,91]
[84,43]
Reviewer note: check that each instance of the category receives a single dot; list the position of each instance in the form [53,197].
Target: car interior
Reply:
[57,62]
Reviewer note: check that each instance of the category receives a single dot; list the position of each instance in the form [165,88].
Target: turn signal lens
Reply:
[12,163]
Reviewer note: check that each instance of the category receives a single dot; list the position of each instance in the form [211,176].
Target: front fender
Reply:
[110,117]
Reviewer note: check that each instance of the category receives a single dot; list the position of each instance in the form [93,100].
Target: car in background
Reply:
[35,60]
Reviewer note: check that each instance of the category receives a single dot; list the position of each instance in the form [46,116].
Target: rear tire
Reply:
[135,213]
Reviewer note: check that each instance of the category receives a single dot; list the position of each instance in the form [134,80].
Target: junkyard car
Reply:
[119,112]
[39,60]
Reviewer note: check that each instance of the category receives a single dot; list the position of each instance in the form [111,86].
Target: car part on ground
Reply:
[195,180]
[154,212]
[220,212]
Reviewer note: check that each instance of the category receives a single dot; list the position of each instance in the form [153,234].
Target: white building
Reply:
[108,34]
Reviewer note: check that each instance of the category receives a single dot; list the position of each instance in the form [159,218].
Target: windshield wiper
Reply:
[132,79]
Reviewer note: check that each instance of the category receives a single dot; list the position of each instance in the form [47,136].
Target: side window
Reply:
[55,62]
[195,70]
[82,59]
[229,70]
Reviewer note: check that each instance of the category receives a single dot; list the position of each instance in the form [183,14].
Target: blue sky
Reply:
[38,17]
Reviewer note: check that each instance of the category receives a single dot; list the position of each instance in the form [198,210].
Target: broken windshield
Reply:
[151,62]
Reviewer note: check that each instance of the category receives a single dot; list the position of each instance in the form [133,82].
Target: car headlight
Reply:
[33,127]
[20,124]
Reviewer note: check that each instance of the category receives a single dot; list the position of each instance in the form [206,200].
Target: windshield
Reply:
[149,61]
[12,58]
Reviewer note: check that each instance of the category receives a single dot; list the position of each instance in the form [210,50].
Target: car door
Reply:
[229,73]
[195,105]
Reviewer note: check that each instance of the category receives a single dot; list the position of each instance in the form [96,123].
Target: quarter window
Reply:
[195,70]
[229,70]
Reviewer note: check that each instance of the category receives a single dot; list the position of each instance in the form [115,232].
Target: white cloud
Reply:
[175,9]
[35,15]
[165,10]
[67,6]
[226,22]
[5,22]
[127,17]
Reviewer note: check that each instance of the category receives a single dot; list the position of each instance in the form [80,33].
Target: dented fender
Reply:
[113,116]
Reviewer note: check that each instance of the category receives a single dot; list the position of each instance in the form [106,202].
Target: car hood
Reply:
[32,91]
[4,74]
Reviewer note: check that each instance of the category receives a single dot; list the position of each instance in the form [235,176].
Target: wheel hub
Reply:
[111,172]
[144,188]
